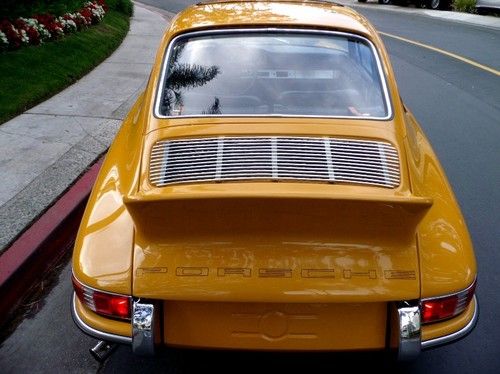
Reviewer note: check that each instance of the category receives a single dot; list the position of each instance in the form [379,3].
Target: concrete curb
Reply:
[43,243]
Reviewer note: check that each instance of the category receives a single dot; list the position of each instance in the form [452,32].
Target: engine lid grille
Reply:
[318,159]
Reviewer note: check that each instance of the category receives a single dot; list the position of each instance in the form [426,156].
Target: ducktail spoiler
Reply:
[320,217]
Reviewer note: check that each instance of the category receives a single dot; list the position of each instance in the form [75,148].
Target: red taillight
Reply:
[440,308]
[108,304]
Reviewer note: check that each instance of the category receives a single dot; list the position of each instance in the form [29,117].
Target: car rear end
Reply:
[268,203]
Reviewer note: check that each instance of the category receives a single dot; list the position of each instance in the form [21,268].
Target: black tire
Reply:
[446,4]
[433,4]
[361,1]
[384,2]
[438,4]
[400,2]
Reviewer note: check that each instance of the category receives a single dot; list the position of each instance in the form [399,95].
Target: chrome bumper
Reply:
[145,322]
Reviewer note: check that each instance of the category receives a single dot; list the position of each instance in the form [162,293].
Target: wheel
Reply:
[421,4]
[438,4]
[385,2]
[433,4]
[361,1]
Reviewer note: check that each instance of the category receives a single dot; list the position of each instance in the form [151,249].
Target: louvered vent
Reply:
[224,159]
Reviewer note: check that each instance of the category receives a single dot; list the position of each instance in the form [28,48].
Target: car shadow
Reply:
[224,361]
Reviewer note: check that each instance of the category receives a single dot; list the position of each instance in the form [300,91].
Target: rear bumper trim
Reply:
[128,340]
[464,331]
[106,336]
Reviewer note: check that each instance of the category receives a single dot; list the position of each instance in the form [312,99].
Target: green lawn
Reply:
[31,74]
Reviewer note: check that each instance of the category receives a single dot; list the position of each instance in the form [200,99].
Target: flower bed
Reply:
[45,27]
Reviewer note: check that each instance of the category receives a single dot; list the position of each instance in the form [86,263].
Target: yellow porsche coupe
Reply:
[270,191]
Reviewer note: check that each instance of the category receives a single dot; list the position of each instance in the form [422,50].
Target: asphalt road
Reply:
[458,106]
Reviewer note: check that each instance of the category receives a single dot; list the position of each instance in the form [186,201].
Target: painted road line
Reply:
[446,53]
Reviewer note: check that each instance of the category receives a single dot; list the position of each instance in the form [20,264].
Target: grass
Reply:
[30,75]
[465,6]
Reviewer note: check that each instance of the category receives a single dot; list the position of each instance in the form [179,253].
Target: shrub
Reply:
[123,6]
[468,6]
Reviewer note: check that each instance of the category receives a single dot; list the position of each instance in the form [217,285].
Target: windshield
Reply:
[272,73]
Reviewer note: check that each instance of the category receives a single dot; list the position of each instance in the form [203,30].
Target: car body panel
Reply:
[106,223]
[447,261]
[493,5]
[270,326]
[241,14]
[283,248]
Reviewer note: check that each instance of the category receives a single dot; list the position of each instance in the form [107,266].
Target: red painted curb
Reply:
[35,250]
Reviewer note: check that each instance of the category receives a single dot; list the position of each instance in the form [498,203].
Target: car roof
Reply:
[281,13]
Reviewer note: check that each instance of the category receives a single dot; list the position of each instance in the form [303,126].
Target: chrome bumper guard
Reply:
[144,321]
[409,332]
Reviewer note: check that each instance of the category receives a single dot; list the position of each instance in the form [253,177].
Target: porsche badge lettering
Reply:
[189,271]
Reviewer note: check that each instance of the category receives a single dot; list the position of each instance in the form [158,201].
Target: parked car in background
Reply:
[270,191]
[488,6]
[429,4]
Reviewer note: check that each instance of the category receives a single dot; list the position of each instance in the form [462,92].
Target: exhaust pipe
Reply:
[102,350]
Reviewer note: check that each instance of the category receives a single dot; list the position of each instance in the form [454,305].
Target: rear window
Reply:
[272,73]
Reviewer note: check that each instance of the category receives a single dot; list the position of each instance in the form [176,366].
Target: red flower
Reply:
[55,29]
[44,19]
[34,35]
[12,34]
[103,4]
[79,23]
[5,25]
[87,14]
[20,24]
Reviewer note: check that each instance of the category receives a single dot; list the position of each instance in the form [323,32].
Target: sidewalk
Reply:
[46,148]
